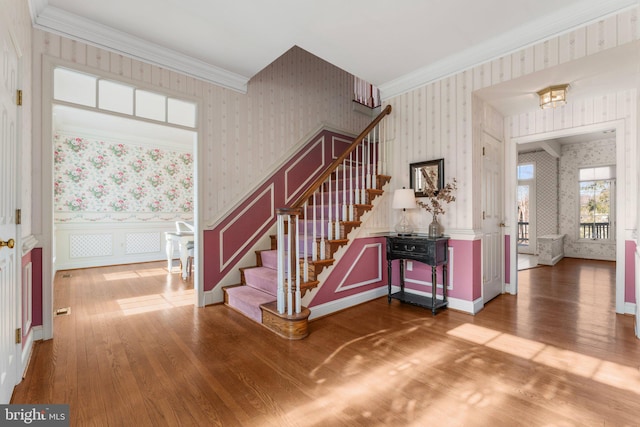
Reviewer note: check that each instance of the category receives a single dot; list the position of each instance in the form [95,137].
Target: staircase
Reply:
[310,232]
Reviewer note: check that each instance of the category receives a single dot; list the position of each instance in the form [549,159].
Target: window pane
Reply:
[71,86]
[605,172]
[150,105]
[602,172]
[181,112]
[115,97]
[526,171]
[595,209]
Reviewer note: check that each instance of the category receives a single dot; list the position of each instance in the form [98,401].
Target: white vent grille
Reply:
[142,243]
[90,245]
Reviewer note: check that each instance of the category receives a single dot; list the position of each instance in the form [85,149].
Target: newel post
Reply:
[288,265]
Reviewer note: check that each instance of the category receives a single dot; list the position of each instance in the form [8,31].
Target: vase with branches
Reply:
[438,198]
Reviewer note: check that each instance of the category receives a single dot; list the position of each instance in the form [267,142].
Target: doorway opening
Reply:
[123,163]
[558,215]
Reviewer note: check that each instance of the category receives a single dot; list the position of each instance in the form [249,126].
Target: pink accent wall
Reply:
[630,271]
[507,259]
[362,268]
[466,262]
[467,280]
[232,238]
[35,258]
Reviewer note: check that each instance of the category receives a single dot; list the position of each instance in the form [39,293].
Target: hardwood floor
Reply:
[135,352]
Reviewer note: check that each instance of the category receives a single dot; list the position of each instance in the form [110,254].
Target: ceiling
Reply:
[396,45]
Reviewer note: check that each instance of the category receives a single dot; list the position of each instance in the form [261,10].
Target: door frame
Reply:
[511,206]
[46,236]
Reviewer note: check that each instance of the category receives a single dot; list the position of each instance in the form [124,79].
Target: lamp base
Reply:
[404,228]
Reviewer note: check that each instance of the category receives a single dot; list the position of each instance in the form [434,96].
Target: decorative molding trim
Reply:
[123,219]
[438,285]
[58,21]
[523,36]
[289,194]
[27,296]
[355,263]
[334,148]
[270,190]
[454,234]
[28,243]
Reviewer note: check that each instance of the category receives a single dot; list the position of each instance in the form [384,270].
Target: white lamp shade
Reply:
[404,199]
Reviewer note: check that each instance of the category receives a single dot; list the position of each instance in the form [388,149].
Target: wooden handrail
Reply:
[318,182]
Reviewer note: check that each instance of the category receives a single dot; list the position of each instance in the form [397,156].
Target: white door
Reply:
[9,258]
[492,240]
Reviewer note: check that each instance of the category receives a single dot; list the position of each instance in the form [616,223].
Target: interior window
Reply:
[84,89]
[526,171]
[596,186]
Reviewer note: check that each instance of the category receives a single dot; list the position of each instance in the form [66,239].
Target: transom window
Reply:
[91,91]
[526,171]
[596,186]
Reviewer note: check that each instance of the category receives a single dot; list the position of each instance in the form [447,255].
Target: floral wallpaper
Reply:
[574,157]
[108,177]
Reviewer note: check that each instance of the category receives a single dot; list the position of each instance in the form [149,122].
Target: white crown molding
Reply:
[58,21]
[531,33]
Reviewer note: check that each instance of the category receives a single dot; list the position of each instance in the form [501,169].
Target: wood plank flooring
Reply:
[135,352]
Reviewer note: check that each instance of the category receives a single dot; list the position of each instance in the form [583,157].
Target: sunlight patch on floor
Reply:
[124,275]
[356,398]
[602,371]
[155,302]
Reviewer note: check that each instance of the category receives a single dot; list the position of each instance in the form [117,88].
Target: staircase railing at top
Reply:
[305,229]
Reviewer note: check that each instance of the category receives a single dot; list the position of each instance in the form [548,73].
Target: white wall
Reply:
[244,135]
[436,120]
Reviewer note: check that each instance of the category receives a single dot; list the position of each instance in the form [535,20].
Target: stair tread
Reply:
[262,278]
[248,300]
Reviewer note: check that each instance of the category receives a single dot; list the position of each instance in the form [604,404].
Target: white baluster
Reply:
[296,295]
[330,212]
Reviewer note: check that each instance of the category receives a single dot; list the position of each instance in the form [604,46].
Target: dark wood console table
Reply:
[430,251]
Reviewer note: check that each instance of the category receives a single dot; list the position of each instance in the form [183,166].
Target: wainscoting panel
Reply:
[79,245]
[143,243]
[90,245]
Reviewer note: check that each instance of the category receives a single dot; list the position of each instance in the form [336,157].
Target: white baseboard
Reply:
[629,308]
[27,348]
[471,307]
[37,333]
[344,303]
[214,296]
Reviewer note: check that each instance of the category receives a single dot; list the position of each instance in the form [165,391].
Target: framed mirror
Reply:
[421,173]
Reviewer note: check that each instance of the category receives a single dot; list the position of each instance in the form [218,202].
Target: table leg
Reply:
[184,254]
[169,250]
[389,280]
[434,289]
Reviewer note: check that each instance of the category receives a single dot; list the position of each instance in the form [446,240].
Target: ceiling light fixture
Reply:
[553,96]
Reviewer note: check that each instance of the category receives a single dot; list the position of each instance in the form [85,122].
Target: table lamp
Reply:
[404,199]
